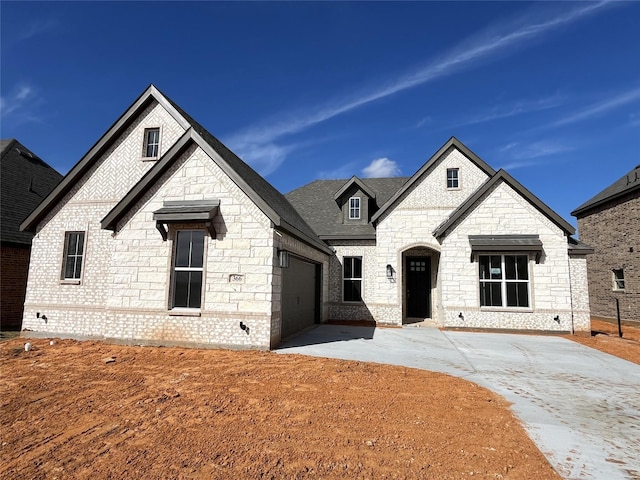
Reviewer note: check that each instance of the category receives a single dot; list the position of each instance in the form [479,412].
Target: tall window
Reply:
[452,178]
[354,208]
[187,275]
[618,279]
[151,142]
[504,280]
[352,279]
[73,255]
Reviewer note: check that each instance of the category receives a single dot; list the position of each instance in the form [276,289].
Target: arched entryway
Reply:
[419,281]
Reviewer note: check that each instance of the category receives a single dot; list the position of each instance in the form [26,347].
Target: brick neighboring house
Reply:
[610,223]
[161,235]
[25,181]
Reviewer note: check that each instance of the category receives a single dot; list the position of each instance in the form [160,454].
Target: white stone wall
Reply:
[580,294]
[502,212]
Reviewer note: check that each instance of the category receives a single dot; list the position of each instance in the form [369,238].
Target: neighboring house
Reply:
[25,181]
[610,223]
[161,235]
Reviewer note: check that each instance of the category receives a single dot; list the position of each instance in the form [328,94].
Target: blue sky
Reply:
[302,91]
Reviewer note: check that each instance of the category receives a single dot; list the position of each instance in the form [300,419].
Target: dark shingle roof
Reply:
[627,184]
[317,205]
[25,181]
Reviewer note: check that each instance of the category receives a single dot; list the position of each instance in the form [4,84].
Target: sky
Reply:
[305,91]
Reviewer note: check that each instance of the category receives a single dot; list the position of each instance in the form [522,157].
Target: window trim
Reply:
[73,280]
[145,142]
[354,208]
[451,179]
[618,279]
[352,279]
[503,281]
[173,309]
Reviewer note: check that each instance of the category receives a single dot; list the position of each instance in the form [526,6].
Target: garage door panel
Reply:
[299,298]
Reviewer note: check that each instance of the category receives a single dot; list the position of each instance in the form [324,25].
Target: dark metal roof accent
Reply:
[502,176]
[576,247]
[626,184]
[506,243]
[186,211]
[353,181]
[25,180]
[452,142]
[101,146]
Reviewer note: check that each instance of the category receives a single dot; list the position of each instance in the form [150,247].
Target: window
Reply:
[73,254]
[187,275]
[354,208]
[504,280]
[352,279]
[618,279]
[151,143]
[452,178]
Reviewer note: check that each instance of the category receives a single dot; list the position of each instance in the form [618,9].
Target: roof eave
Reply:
[582,210]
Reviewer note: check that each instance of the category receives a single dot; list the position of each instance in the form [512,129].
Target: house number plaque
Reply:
[236,278]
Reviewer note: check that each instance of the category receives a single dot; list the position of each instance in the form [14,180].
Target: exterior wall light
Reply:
[283,258]
[389,272]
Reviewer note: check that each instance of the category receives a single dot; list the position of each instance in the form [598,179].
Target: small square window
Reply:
[354,208]
[151,146]
[618,279]
[452,178]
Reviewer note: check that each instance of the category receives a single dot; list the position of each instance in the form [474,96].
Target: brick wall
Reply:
[614,233]
[14,265]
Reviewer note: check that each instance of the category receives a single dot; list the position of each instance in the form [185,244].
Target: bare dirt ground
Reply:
[93,410]
[604,337]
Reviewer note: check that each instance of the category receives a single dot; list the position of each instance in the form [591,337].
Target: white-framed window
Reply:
[151,144]
[354,208]
[453,178]
[188,269]
[352,279]
[73,255]
[504,280]
[618,279]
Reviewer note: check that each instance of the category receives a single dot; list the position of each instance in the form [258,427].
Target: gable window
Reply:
[354,208]
[452,178]
[73,255]
[618,279]
[151,147]
[352,279]
[188,269]
[504,280]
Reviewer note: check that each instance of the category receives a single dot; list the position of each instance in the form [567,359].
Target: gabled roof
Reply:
[25,181]
[627,184]
[502,176]
[348,184]
[266,197]
[452,142]
[316,203]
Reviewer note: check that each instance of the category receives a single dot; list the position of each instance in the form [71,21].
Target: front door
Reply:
[418,287]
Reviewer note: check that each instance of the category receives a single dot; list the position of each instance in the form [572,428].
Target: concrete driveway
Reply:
[580,406]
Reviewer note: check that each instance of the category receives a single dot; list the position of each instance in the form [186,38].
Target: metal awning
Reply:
[506,243]
[187,211]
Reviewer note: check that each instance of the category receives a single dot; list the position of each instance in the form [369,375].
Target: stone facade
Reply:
[613,231]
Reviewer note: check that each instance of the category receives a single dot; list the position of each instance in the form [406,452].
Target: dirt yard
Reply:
[604,337]
[92,410]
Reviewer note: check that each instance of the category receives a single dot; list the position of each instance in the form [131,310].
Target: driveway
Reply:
[580,406]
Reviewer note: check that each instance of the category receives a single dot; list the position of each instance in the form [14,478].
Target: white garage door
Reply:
[299,295]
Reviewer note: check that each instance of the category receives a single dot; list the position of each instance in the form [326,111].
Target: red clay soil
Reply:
[604,337]
[93,410]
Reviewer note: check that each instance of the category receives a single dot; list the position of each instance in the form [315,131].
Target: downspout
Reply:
[570,288]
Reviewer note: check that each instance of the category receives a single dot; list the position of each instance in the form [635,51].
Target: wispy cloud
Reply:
[600,108]
[520,155]
[482,47]
[19,105]
[381,167]
[36,27]
[346,170]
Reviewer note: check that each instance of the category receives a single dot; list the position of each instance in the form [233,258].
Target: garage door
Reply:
[299,295]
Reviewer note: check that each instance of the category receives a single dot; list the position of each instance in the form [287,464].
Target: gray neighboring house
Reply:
[610,223]
[161,235]
[25,181]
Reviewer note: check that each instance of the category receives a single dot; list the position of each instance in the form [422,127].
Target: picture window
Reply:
[504,280]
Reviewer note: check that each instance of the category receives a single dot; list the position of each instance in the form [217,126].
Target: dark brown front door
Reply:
[418,287]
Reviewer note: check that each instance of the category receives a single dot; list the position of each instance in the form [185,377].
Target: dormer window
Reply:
[452,178]
[354,208]
[151,147]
